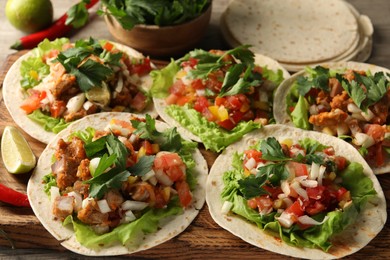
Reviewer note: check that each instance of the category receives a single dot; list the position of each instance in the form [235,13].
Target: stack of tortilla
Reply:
[299,33]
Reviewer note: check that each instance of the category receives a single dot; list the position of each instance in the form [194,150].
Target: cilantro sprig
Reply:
[88,73]
[239,77]
[273,173]
[319,79]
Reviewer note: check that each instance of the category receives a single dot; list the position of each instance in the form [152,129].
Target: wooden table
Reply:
[203,239]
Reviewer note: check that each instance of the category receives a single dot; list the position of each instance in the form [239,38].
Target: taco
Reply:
[116,183]
[349,100]
[217,96]
[295,192]
[60,82]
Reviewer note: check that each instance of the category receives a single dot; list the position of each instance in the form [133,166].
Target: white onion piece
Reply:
[351,107]
[153,180]
[148,175]
[134,205]
[250,164]
[314,171]
[358,116]
[201,92]
[285,219]
[75,103]
[309,183]
[77,200]
[263,96]
[85,202]
[368,115]
[300,178]
[313,110]
[363,140]
[306,220]
[342,129]
[87,105]
[298,189]
[132,138]
[103,206]
[226,206]
[129,216]
[285,187]
[119,84]
[93,164]
[163,178]
[321,174]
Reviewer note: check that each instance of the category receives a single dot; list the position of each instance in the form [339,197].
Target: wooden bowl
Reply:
[161,41]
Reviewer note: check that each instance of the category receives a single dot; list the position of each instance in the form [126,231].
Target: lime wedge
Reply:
[16,152]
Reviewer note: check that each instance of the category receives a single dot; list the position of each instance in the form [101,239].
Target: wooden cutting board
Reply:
[203,239]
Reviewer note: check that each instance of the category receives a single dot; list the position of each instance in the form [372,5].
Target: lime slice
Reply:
[16,152]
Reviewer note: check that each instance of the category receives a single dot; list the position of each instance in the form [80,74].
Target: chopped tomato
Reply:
[148,147]
[315,208]
[295,209]
[171,164]
[300,169]
[227,124]
[273,191]
[316,193]
[219,101]
[57,108]
[197,84]
[201,104]
[263,203]
[375,131]
[380,160]
[329,151]
[141,68]
[183,190]
[191,62]
[33,102]
[255,154]
[236,116]
[342,193]
[51,54]
[341,162]
[108,46]
[178,88]
[139,102]
[181,101]
[171,99]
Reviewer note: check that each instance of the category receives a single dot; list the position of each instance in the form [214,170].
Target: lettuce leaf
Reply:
[163,79]
[129,235]
[212,136]
[299,115]
[48,123]
[353,178]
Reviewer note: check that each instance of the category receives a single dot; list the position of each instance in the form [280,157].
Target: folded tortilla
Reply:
[280,102]
[41,205]
[369,223]
[14,96]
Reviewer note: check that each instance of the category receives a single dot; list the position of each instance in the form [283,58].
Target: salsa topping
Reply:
[69,81]
[226,87]
[350,104]
[297,181]
[109,177]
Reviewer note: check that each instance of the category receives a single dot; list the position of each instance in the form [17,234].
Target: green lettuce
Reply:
[212,136]
[299,115]
[353,178]
[163,79]
[129,235]
[48,123]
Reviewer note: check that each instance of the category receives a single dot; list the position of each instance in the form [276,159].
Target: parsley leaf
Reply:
[105,162]
[252,186]
[354,90]
[272,150]
[114,146]
[110,180]
[91,74]
[274,172]
[78,14]
[147,129]
[319,79]
[233,84]
[143,166]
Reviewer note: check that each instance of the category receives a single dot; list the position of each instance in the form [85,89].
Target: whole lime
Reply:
[29,15]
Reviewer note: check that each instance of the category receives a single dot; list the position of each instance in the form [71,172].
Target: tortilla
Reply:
[297,31]
[359,50]
[40,202]
[369,223]
[161,105]
[14,95]
[280,105]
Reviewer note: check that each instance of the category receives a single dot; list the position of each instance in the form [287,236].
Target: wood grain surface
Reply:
[203,239]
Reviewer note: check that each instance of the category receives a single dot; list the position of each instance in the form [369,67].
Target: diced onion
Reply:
[134,205]
[342,129]
[119,84]
[321,174]
[77,199]
[358,116]
[306,220]
[351,107]
[75,103]
[93,164]
[87,105]
[132,138]
[309,183]
[148,175]
[85,202]
[363,140]
[313,110]
[226,206]
[103,206]
[129,216]
[263,96]
[250,164]
[285,219]
[285,187]
[201,92]
[163,178]
[368,115]
[298,189]
[314,171]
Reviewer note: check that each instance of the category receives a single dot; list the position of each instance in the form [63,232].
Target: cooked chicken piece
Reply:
[340,101]
[114,199]
[62,207]
[91,214]
[83,172]
[331,118]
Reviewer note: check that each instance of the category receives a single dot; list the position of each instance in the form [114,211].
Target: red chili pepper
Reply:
[57,29]
[13,197]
